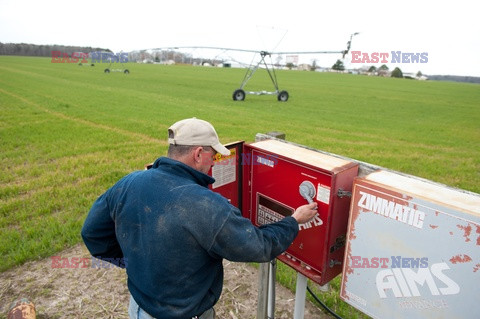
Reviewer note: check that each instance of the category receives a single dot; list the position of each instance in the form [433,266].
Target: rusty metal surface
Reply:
[433,252]
[22,309]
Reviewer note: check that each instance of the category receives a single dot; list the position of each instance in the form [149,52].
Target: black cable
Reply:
[322,304]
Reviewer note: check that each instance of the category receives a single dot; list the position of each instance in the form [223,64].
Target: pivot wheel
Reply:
[283,96]
[239,95]
[107,71]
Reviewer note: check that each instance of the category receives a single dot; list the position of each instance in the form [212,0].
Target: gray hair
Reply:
[176,151]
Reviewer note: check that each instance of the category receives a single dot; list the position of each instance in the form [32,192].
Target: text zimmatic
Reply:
[390,209]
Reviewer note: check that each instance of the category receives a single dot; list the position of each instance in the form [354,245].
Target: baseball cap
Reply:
[195,132]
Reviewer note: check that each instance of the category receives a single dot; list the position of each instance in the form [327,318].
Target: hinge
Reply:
[341,193]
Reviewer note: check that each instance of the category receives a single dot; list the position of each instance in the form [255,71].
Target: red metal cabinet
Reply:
[272,173]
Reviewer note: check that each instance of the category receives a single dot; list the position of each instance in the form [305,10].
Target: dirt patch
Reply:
[102,293]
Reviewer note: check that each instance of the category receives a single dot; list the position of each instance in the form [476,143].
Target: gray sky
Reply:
[447,30]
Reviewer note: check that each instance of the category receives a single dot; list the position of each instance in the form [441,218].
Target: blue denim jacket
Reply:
[173,233]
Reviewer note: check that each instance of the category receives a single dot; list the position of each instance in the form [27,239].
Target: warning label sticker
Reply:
[323,193]
[224,170]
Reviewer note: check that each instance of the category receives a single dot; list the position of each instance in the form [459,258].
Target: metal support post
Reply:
[263,276]
[300,295]
[271,289]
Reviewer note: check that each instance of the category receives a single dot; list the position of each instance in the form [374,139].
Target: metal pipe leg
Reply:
[263,277]
[271,289]
[300,295]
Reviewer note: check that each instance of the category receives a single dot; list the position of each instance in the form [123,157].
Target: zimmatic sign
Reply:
[413,249]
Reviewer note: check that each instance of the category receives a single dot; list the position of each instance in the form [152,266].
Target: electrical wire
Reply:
[322,304]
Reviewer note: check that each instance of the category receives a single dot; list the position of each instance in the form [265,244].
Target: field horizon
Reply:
[69,132]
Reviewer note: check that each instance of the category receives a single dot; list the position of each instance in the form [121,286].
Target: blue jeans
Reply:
[135,312]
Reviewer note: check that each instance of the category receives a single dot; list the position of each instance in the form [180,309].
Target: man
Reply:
[173,232]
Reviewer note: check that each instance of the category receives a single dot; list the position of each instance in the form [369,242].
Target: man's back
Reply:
[174,232]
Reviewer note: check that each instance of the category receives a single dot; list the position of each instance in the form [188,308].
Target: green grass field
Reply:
[67,133]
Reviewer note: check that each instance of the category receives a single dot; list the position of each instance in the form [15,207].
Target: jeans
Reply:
[135,312]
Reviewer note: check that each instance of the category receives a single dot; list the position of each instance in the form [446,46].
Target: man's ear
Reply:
[196,154]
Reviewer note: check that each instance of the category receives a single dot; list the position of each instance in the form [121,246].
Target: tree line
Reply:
[28,49]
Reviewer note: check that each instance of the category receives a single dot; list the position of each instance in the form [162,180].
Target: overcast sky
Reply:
[448,31]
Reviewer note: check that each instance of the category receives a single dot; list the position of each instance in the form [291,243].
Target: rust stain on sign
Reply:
[354,214]
[478,237]
[467,231]
[460,259]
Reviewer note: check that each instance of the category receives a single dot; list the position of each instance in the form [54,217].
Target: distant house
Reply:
[168,62]
[384,73]
[414,76]
[231,64]
[304,67]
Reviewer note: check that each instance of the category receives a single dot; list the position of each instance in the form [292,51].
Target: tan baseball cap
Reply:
[195,132]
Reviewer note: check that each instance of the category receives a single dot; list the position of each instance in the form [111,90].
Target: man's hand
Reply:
[305,213]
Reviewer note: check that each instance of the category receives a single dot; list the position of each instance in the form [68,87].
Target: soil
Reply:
[102,292]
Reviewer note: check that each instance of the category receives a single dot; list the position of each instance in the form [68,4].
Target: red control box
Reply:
[272,174]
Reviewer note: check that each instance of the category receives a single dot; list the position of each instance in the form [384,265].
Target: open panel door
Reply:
[227,172]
